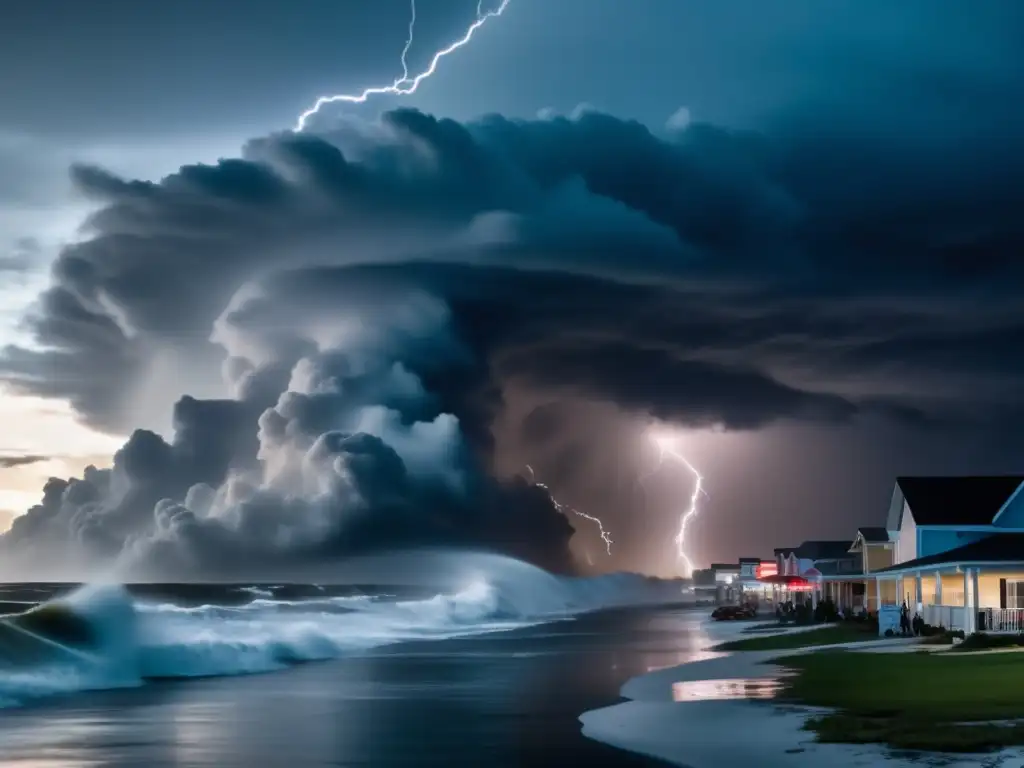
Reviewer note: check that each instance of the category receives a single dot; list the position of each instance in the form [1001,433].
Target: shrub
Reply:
[826,611]
[981,641]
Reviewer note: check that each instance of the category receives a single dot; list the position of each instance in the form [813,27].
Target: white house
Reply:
[958,551]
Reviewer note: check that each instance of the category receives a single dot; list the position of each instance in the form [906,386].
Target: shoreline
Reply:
[704,714]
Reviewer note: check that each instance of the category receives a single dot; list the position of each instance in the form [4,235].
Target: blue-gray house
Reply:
[958,551]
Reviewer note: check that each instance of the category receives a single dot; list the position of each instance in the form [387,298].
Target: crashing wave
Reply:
[100,637]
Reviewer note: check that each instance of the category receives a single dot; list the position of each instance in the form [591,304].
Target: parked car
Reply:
[733,612]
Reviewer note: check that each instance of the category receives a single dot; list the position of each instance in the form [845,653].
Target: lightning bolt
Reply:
[605,536]
[408,40]
[667,451]
[405,85]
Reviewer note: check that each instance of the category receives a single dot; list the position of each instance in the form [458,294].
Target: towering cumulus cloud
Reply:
[364,304]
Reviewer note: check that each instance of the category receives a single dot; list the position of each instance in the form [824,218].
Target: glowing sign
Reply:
[767,569]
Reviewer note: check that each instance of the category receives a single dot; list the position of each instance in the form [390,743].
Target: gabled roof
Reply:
[823,550]
[874,535]
[869,535]
[969,500]
[997,548]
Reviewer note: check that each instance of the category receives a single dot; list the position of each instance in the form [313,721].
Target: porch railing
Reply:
[948,616]
[1003,620]
[989,619]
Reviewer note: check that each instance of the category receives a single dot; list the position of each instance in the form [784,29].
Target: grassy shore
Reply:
[844,632]
[942,702]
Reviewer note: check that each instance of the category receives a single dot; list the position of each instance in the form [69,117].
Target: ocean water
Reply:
[495,673]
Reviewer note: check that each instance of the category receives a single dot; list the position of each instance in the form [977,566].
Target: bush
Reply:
[803,613]
[826,611]
[980,641]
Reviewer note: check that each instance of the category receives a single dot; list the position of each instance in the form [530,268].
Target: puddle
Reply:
[718,690]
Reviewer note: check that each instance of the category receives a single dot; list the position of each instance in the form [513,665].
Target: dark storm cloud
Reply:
[709,207]
[379,289]
[352,457]
[10,462]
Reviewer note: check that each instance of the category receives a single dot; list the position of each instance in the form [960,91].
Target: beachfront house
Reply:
[727,582]
[957,552]
[875,549]
[817,569]
[836,570]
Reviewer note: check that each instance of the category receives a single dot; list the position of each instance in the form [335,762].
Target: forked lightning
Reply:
[405,85]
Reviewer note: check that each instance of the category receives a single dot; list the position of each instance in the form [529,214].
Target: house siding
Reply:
[876,558]
[896,507]
[906,543]
[935,541]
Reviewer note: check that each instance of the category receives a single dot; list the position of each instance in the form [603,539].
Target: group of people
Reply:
[910,627]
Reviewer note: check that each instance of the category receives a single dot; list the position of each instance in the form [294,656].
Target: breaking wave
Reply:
[100,636]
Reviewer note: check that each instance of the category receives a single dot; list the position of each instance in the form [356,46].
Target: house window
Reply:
[1015,594]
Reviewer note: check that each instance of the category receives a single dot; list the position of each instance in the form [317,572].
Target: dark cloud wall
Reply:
[379,293]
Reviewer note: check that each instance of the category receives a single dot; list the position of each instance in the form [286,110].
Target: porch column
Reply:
[918,596]
[970,607]
[938,587]
[975,572]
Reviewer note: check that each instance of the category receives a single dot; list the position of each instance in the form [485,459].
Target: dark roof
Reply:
[832,569]
[874,535]
[972,500]
[823,550]
[750,560]
[724,567]
[785,550]
[997,548]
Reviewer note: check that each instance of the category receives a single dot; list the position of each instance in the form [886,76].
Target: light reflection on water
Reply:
[739,688]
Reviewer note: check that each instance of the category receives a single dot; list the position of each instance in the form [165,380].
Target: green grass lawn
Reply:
[911,700]
[844,632]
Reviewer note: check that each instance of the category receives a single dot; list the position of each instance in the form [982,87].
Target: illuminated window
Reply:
[1015,594]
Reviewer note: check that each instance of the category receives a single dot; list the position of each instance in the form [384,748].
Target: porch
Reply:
[973,599]
[978,587]
[847,592]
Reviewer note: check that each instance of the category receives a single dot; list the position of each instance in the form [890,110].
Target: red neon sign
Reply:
[767,569]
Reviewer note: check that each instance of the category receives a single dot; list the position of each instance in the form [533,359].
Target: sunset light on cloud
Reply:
[50,429]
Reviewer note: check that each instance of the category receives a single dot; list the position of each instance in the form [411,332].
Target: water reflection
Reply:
[739,688]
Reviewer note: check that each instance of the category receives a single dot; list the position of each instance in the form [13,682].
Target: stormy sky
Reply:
[786,234]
